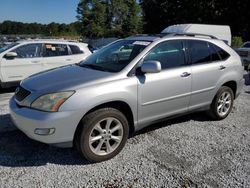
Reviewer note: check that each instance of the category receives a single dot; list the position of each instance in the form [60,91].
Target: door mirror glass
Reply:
[151,67]
[10,55]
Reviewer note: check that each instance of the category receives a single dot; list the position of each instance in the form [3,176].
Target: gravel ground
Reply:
[191,151]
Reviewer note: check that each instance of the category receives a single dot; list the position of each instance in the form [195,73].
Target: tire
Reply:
[215,112]
[98,150]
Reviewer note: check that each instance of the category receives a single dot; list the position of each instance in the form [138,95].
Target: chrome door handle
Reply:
[68,59]
[185,74]
[222,67]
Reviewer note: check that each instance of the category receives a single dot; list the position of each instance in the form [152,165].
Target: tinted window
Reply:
[51,50]
[29,51]
[199,51]
[75,49]
[246,45]
[170,54]
[214,52]
[223,54]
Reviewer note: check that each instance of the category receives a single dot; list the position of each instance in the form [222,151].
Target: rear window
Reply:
[75,49]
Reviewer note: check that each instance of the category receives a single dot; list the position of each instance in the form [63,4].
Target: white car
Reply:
[222,32]
[22,59]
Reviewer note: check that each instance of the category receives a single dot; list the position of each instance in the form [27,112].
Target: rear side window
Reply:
[214,53]
[52,50]
[222,53]
[199,51]
[205,52]
[75,49]
[170,54]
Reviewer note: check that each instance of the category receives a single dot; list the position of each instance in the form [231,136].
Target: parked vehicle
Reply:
[94,105]
[244,53]
[222,32]
[22,59]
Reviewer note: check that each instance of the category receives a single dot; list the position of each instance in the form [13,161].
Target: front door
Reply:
[168,92]
[27,62]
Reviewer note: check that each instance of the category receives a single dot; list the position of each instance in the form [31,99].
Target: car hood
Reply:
[66,77]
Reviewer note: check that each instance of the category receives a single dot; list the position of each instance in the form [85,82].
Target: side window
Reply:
[75,49]
[199,51]
[222,53]
[214,53]
[29,51]
[170,54]
[52,50]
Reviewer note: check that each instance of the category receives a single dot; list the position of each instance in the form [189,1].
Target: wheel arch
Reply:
[233,85]
[119,105]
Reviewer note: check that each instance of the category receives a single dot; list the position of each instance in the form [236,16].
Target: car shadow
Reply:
[7,90]
[17,150]
[198,116]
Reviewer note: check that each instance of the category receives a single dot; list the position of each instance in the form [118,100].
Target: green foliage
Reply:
[100,18]
[52,29]
[237,42]
[158,14]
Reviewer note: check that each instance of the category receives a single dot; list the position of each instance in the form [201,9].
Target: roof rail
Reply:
[191,35]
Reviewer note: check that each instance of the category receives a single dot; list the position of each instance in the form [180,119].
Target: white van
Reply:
[222,32]
[22,59]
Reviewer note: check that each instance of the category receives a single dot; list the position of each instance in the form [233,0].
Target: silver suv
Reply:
[125,86]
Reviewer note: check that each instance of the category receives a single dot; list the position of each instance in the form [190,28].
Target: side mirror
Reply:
[10,55]
[151,67]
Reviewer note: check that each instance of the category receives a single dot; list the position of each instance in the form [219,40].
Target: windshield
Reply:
[6,47]
[116,56]
[247,45]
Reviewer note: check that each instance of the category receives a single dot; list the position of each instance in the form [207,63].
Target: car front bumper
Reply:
[62,125]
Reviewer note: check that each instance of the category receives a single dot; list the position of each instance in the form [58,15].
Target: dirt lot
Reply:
[191,151]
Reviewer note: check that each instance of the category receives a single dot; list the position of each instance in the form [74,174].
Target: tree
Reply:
[158,14]
[100,18]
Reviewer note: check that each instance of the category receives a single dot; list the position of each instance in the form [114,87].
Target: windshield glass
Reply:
[6,47]
[247,45]
[116,56]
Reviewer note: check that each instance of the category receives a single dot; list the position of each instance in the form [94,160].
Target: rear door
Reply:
[55,55]
[167,92]
[28,62]
[207,66]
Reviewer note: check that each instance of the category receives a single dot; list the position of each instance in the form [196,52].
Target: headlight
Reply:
[51,102]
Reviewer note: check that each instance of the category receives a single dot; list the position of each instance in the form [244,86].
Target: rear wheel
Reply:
[103,134]
[222,103]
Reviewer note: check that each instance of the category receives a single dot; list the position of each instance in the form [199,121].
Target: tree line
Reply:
[121,18]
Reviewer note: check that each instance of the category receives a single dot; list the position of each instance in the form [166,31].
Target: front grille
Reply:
[21,93]
[243,53]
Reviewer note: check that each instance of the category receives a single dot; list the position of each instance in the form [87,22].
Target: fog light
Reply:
[45,131]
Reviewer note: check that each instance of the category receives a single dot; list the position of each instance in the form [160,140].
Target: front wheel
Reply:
[222,103]
[103,134]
